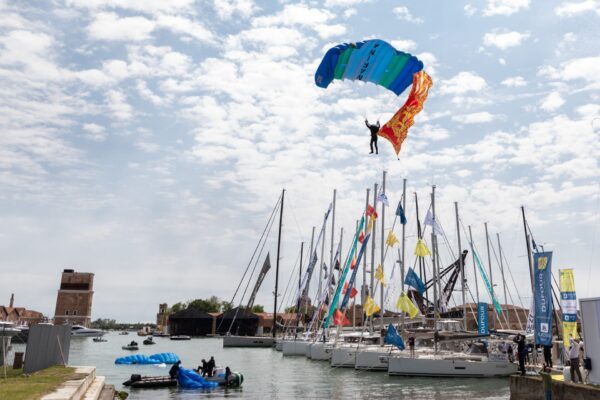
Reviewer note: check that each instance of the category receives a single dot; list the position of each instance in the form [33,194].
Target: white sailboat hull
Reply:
[449,367]
[320,351]
[373,359]
[343,357]
[294,347]
[279,345]
[247,341]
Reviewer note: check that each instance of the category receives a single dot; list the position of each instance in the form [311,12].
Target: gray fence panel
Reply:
[47,345]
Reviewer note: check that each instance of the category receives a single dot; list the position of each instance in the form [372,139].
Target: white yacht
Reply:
[82,331]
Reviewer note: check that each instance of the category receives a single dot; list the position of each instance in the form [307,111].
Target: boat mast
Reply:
[274,329]
[422,270]
[474,265]
[462,267]
[373,232]
[529,260]
[401,255]
[322,262]
[332,236]
[435,275]
[382,257]
[502,271]
[365,290]
[487,242]
[310,256]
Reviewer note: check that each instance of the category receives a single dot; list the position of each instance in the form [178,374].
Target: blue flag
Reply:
[392,337]
[542,298]
[400,213]
[482,319]
[412,279]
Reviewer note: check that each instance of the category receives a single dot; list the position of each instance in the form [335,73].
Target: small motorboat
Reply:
[141,382]
[235,379]
[181,337]
[131,346]
[99,339]
[149,341]
[124,333]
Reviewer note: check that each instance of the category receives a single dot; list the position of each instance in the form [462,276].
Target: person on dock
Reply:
[202,368]
[174,370]
[521,352]
[509,351]
[374,129]
[411,346]
[545,372]
[210,366]
[548,355]
[574,360]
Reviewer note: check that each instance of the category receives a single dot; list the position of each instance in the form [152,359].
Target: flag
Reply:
[361,238]
[412,279]
[332,283]
[371,211]
[392,337]
[396,129]
[536,249]
[542,295]
[421,250]
[370,307]
[353,265]
[482,319]
[383,198]
[400,213]
[379,275]
[340,319]
[370,223]
[337,265]
[353,292]
[437,229]
[404,304]
[326,301]
[345,288]
[568,303]
[391,239]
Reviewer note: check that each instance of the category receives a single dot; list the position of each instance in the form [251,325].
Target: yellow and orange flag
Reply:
[396,129]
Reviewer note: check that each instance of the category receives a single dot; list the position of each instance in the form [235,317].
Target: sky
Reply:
[148,142]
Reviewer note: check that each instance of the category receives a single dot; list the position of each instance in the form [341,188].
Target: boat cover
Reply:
[190,379]
[160,358]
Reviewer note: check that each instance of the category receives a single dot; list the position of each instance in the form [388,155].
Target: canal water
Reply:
[269,375]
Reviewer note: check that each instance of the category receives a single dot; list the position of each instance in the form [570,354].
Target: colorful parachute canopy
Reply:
[160,358]
[396,129]
[190,379]
[373,61]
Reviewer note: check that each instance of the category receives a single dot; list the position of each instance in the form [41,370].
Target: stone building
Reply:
[74,300]
[162,318]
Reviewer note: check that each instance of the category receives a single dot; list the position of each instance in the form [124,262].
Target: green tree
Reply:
[175,308]
[258,308]
[212,304]
[226,306]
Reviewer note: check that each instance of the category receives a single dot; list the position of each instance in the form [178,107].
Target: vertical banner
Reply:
[482,319]
[568,303]
[542,296]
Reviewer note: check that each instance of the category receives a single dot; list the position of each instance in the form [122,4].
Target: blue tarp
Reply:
[190,379]
[160,358]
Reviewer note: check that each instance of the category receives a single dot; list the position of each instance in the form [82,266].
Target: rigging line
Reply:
[292,277]
[507,266]
[589,280]
[512,278]
[504,285]
[250,278]
[257,246]
[291,206]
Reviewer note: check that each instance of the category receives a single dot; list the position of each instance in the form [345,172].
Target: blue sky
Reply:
[148,141]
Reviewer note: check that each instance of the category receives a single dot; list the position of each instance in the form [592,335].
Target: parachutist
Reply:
[374,129]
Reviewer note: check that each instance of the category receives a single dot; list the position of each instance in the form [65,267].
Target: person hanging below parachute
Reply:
[376,61]
[374,131]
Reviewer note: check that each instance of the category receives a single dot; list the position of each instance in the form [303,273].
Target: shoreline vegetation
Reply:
[18,386]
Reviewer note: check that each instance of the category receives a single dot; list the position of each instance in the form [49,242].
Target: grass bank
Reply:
[20,387]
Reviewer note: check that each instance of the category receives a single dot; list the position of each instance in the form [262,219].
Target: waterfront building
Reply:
[191,322]
[20,315]
[74,299]
[162,318]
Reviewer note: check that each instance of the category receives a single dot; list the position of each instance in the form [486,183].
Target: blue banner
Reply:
[412,279]
[542,297]
[361,252]
[482,319]
[392,337]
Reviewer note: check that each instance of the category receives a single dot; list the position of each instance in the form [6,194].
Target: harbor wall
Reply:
[532,388]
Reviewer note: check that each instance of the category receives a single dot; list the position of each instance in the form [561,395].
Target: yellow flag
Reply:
[379,275]
[406,305]
[391,239]
[370,223]
[370,307]
[421,250]
[567,281]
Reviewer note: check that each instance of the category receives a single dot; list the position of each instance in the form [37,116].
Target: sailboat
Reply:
[260,341]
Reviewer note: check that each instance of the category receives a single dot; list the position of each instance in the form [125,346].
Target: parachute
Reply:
[160,358]
[190,379]
[376,61]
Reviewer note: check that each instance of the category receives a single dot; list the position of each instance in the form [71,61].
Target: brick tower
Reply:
[74,300]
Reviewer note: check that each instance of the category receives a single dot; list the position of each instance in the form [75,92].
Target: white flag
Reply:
[437,229]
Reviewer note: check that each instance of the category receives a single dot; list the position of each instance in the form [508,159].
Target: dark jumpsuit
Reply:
[374,129]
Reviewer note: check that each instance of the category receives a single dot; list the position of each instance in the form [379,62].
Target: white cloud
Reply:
[574,8]
[404,45]
[109,26]
[227,9]
[470,10]
[430,62]
[116,102]
[403,14]
[463,82]
[95,132]
[505,7]
[148,7]
[589,111]
[504,40]
[185,26]
[552,102]
[344,3]
[475,118]
[514,81]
